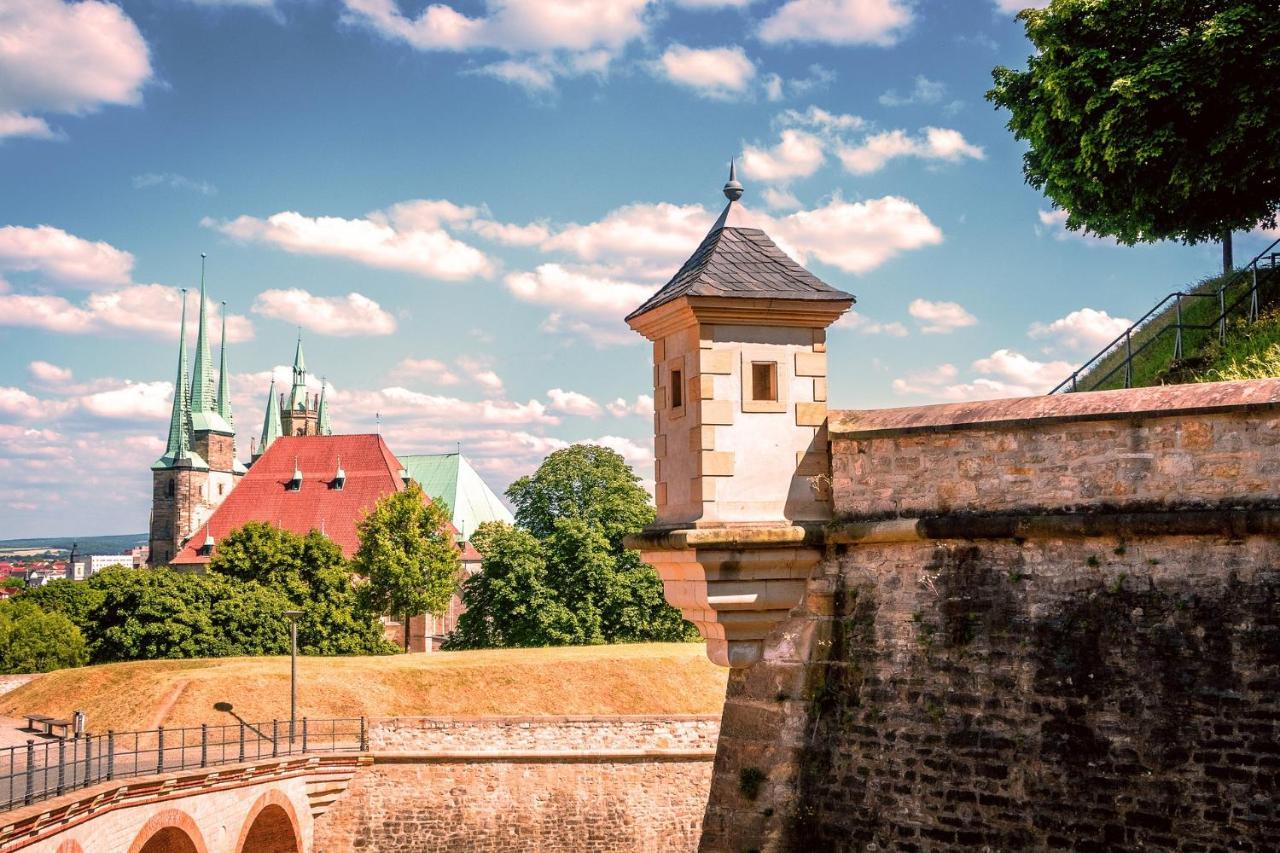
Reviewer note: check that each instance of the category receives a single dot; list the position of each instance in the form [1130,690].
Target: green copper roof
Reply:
[204,417]
[449,477]
[322,412]
[177,447]
[224,375]
[298,396]
[271,428]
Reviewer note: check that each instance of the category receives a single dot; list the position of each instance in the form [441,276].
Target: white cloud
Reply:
[511,235]
[600,333]
[925,91]
[939,318]
[62,257]
[635,453]
[32,127]
[665,232]
[877,22]
[67,58]
[937,143]
[713,4]
[135,401]
[341,316]
[780,199]
[532,76]
[432,370]
[860,236]
[480,373]
[866,326]
[573,403]
[566,286]
[407,238]
[1015,367]
[1054,223]
[150,309]
[172,181]
[50,374]
[1087,329]
[401,401]
[822,120]
[797,155]
[641,407]
[1013,6]
[721,72]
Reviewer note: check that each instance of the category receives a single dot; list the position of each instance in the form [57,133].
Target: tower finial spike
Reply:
[732,189]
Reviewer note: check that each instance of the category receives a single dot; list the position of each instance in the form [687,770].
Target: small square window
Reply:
[677,389]
[764,380]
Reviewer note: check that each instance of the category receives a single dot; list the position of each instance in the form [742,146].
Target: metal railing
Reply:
[1237,296]
[40,770]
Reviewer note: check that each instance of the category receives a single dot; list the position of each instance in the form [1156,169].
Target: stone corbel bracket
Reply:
[735,583]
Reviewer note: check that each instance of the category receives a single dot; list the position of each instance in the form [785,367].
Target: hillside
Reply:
[628,679]
[1252,351]
[113,544]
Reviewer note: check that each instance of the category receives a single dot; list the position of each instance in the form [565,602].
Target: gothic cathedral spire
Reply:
[224,376]
[271,421]
[177,446]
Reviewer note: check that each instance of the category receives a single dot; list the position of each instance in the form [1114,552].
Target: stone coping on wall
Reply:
[543,756]
[1161,401]
[557,734]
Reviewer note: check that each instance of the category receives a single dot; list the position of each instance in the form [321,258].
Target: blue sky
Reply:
[459,203]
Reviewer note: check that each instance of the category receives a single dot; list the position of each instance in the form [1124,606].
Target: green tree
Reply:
[408,556]
[1154,120]
[32,640]
[76,600]
[13,582]
[564,577]
[312,573]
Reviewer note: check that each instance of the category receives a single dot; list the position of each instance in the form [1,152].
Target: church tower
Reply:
[299,413]
[199,467]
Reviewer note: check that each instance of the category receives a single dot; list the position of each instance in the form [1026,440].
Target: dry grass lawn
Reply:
[651,678]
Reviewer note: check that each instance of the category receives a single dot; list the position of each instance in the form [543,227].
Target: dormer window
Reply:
[295,482]
[206,548]
[339,478]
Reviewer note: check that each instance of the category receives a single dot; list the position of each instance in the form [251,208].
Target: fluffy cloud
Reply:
[642,407]
[66,58]
[653,231]
[1087,329]
[1011,366]
[430,370]
[925,91]
[937,143]
[1004,373]
[134,401]
[49,374]
[866,326]
[510,235]
[780,199]
[64,258]
[479,372]
[407,241]
[554,284]
[722,72]
[573,403]
[397,401]
[1054,223]
[939,318]
[857,237]
[341,316]
[32,127]
[822,120]
[1013,6]
[149,309]
[797,155]
[878,22]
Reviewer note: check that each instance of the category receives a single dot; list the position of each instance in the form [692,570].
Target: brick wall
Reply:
[588,805]
[498,734]
[1041,624]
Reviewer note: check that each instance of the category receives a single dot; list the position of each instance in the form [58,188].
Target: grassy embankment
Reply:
[652,678]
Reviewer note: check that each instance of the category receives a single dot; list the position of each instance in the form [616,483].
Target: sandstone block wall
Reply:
[1100,673]
[588,805]
[501,734]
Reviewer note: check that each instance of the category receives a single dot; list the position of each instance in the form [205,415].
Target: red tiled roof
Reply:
[372,472]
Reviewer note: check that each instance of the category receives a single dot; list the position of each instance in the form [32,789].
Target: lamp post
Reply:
[293,669]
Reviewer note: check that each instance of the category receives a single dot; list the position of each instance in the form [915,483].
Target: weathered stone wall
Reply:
[498,734]
[1041,624]
[581,805]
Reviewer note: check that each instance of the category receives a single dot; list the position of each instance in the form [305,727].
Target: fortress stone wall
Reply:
[1050,623]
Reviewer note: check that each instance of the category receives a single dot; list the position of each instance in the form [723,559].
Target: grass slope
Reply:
[1252,351]
[650,678]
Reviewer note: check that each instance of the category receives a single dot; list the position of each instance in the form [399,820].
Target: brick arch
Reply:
[169,831]
[271,826]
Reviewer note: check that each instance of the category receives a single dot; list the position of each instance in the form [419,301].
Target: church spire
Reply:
[178,445]
[224,376]
[271,421]
[298,396]
[323,427]
[202,369]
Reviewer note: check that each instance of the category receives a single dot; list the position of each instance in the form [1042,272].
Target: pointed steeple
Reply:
[177,450]
[224,376]
[298,396]
[271,429]
[323,427]
[204,412]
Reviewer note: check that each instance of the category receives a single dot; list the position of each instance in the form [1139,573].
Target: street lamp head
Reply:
[293,614]
[222,706]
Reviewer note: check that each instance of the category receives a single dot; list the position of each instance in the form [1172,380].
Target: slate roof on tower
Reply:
[372,471]
[741,262]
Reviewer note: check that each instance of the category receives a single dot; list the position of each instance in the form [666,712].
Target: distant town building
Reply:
[83,567]
[139,556]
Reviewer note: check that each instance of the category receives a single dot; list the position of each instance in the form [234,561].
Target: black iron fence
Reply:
[1179,323]
[42,769]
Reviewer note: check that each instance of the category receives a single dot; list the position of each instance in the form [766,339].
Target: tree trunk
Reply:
[1228,264]
[406,633]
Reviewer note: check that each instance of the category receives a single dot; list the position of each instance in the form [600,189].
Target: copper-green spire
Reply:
[271,422]
[298,396]
[323,427]
[202,369]
[177,419]
[224,376]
